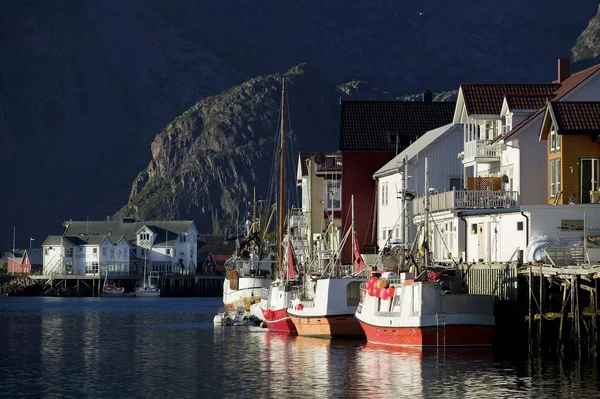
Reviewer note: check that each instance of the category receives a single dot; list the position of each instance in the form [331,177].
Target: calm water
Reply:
[146,347]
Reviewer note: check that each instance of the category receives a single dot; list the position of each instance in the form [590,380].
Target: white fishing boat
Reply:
[328,312]
[424,307]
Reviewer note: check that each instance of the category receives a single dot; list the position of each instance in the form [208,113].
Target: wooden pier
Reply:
[91,285]
[562,305]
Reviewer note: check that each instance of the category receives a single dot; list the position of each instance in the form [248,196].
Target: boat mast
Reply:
[426,231]
[281,180]
[352,226]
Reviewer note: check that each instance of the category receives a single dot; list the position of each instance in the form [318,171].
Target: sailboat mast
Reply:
[426,238]
[281,179]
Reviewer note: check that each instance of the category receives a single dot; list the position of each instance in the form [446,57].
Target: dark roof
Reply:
[35,256]
[565,87]
[215,244]
[486,99]
[534,102]
[373,125]
[82,233]
[576,116]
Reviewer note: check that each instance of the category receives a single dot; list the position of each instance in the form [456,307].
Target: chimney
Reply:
[563,69]
[427,96]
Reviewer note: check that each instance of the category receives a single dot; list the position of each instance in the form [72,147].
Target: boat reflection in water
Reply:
[424,372]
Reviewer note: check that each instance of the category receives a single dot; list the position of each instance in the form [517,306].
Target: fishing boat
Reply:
[424,307]
[328,312]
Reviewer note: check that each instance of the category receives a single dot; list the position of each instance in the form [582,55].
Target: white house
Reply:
[122,248]
[500,236]
[404,177]
[505,166]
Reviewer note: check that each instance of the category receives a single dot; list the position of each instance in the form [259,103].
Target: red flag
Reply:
[291,264]
[359,263]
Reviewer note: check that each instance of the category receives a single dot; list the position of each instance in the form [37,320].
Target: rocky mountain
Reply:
[85,85]
[207,162]
[588,44]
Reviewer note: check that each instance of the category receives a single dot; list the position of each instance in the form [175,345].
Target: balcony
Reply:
[467,199]
[481,151]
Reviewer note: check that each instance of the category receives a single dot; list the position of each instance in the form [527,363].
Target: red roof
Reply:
[576,117]
[565,87]
[527,102]
[486,99]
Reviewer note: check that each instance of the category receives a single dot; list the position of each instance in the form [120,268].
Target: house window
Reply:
[474,228]
[333,195]
[94,250]
[554,140]
[552,171]
[489,130]
[169,251]
[103,251]
[68,252]
[555,177]
[455,183]
[384,193]
[558,185]
[519,226]
[91,268]
[182,238]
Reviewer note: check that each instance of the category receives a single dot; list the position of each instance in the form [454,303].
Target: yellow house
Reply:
[319,177]
[572,132]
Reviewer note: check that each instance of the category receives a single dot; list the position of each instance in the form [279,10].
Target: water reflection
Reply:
[169,348]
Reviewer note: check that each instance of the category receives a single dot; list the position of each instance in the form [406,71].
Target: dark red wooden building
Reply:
[371,134]
[30,262]
[213,251]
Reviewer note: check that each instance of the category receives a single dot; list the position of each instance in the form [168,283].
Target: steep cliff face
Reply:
[588,44]
[206,162]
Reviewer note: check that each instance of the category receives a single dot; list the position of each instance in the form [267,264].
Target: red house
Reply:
[29,263]
[213,251]
[371,134]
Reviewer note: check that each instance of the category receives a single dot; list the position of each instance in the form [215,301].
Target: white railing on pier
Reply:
[467,199]
[480,149]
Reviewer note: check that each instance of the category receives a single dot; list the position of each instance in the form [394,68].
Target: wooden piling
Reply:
[541,308]
[530,287]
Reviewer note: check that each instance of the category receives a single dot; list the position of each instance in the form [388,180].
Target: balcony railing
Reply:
[480,149]
[467,199]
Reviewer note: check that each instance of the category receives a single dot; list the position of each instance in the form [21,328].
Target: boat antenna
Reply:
[281,179]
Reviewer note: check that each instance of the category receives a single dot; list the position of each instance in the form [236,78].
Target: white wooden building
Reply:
[404,177]
[122,248]
[505,168]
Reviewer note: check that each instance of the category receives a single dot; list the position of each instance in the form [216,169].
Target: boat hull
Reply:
[331,326]
[147,294]
[112,294]
[430,336]
[248,292]
[278,320]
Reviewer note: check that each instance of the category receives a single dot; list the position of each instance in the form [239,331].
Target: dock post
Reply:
[541,307]
[530,289]
[78,286]
[561,345]
[578,316]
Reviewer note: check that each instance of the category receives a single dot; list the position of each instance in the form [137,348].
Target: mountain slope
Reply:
[588,43]
[206,163]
